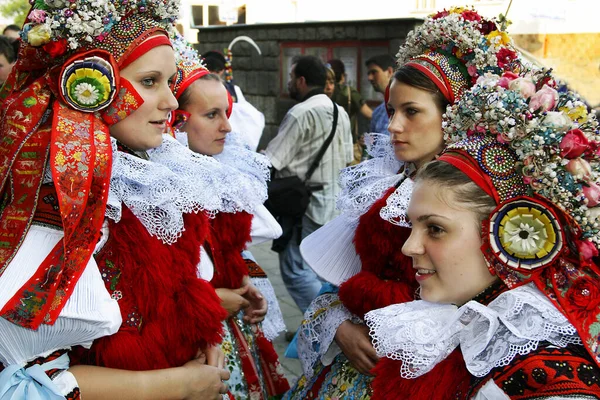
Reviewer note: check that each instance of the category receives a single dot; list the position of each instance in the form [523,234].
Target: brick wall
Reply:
[259,76]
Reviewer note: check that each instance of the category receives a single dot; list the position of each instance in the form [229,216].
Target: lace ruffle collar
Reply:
[176,180]
[422,334]
[363,184]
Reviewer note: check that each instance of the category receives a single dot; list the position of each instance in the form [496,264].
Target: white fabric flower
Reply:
[86,93]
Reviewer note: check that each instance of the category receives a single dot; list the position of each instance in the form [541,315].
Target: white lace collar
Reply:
[422,334]
[176,180]
[363,184]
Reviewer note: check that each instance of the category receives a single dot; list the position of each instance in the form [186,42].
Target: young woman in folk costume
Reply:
[82,102]
[505,242]
[240,175]
[360,250]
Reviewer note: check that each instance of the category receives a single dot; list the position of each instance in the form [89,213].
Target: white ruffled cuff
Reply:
[321,321]
[273,324]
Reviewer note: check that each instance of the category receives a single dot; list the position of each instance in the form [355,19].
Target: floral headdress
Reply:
[190,67]
[455,47]
[62,95]
[536,152]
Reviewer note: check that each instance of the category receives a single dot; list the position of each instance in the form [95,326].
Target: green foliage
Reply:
[15,10]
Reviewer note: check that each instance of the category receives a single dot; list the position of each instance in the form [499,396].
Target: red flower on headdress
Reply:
[56,47]
[584,294]
[505,57]
[441,14]
[487,27]
[573,144]
[470,15]
[586,249]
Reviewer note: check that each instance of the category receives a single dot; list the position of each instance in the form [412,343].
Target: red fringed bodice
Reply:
[229,233]
[168,312]
[387,276]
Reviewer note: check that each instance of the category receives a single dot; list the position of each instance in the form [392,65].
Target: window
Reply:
[214,15]
[352,53]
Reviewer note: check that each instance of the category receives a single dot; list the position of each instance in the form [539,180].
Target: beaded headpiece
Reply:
[190,68]
[453,48]
[537,153]
[62,95]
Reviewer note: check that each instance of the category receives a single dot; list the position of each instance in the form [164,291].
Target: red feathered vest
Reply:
[168,312]
[387,278]
[228,235]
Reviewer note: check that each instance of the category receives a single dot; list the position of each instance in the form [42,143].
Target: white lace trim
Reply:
[396,207]
[175,181]
[422,334]
[273,324]
[322,319]
[363,184]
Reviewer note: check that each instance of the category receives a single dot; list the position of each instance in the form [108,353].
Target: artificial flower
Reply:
[573,144]
[470,15]
[525,86]
[38,35]
[578,113]
[37,16]
[56,47]
[587,250]
[591,191]
[505,56]
[556,120]
[86,94]
[498,37]
[579,168]
[544,99]
[506,79]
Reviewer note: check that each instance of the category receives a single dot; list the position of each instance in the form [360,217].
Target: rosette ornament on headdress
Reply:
[537,153]
[58,103]
[189,69]
[453,48]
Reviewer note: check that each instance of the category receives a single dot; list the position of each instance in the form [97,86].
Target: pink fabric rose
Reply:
[37,16]
[506,79]
[580,169]
[587,250]
[592,194]
[472,70]
[573,144]
[525,86]
[544,99]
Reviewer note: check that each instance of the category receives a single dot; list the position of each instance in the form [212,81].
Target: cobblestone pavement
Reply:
[269,261]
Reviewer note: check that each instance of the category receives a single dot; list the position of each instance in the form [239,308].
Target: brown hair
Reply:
[184,99]
[465,191]
[415,78]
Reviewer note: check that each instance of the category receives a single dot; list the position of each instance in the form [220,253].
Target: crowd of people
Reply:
[450,253]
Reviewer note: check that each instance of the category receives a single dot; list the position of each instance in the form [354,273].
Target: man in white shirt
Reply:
[301,134]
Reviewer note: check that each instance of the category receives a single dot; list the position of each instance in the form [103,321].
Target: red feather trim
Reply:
[387,276]
[449,380]
[168,313]
[228,237]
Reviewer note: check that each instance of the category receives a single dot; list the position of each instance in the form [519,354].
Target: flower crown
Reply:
[60,26]
[556,141]
[476,42]
[189,64]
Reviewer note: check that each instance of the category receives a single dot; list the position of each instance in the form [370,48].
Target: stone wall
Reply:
[259,76]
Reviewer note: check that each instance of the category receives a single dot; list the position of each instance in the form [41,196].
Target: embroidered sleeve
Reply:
[324,315]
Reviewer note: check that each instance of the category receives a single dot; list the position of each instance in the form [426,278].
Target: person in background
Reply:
[301,134]
[348,97]
[245,119]
[329,82]
[380,70]
[7,58]
[12,31]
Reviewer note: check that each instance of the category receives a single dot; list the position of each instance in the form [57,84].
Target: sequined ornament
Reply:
[525,234]
[189,65]
[88,84]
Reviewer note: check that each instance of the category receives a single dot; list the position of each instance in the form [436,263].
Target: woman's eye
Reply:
[390,111]
[434,230]
[212,114]
[411,111]
[148,81]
